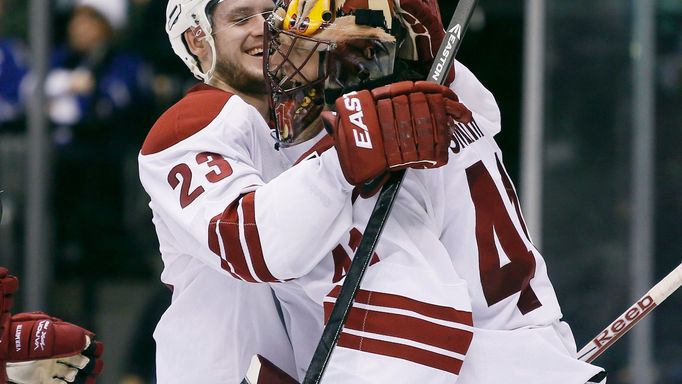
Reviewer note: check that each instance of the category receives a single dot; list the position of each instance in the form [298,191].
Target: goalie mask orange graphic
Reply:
[316,48]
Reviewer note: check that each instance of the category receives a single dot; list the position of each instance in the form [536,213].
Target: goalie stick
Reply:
[632,316]
[344,302]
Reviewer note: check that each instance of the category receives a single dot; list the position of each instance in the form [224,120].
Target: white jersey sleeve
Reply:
[477,98]
[206,166]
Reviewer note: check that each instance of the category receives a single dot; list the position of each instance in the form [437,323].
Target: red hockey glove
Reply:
[398,126]
[425,30]
[41,347]
[8,286]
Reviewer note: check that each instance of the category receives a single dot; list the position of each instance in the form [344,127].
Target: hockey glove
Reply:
[398,126]
[425,32]
[45,349]
[8,286]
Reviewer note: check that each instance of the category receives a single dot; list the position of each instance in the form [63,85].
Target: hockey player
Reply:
[215,321]
[472,201]
[229,210]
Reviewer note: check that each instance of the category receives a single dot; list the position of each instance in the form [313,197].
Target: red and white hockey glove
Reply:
[44,349]
[397,126]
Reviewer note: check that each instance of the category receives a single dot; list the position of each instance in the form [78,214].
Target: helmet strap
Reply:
[208,75]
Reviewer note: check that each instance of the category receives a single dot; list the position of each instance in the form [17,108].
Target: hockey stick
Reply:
[632,316]
[441,66]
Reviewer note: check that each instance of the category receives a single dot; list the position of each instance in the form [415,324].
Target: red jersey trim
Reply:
[342,260]
[222,227]
[191,114]
[401,351]
[253,239]
[406,327]
[400,302]
[320,147]
[226,227]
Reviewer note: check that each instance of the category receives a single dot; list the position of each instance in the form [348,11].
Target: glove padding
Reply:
[424,26]
[8,286]
[80,369]
[45,349]
[425,32]
[398,126]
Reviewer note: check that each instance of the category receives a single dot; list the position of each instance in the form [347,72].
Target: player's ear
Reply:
[196,42]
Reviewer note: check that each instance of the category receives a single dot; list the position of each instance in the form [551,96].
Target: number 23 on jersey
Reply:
[217,168]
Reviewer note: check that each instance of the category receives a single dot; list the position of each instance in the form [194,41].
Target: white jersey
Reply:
[224,207]
[411,319]
[208,165]
[471,207]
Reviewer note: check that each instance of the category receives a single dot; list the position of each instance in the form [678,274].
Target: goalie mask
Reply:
[318,50]
[314,48]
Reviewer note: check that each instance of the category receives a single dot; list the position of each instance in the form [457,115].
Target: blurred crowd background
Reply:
[110,72]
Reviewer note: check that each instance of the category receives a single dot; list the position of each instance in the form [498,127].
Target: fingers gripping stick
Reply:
[632,316]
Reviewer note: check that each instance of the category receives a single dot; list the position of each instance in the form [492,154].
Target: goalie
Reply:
[476,213]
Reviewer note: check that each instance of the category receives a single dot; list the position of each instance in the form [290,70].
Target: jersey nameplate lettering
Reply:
[463,135]
[361,136]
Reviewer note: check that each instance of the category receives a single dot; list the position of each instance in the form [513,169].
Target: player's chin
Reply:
[254,70]
[255,60]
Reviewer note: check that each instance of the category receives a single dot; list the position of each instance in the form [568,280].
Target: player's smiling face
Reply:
[238,34]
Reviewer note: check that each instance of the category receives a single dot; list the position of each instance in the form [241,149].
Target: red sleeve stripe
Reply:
[231,251]
[318,148]
[253,239]
[215,244]
[406,352]
[389,300]
[404,327]
[233,235]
